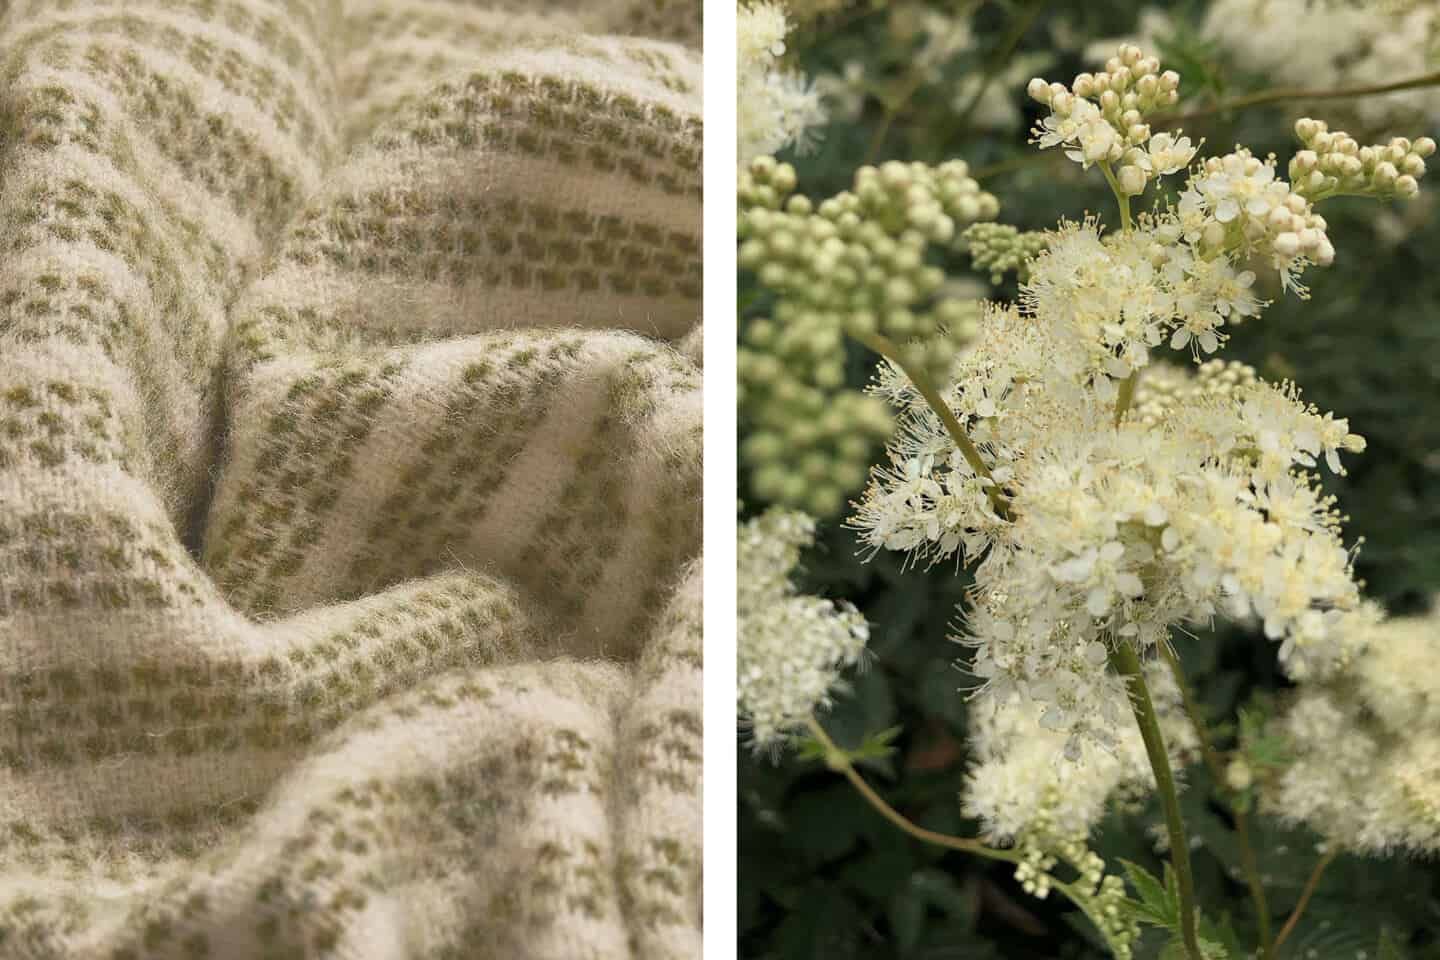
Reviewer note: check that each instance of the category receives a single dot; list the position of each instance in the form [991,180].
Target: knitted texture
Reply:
[349,479]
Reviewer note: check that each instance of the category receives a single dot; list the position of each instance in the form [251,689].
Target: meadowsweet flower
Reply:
[1366,766]
[1016,786]
[775,106]
[1115,534]
[792,646]
[1101,116]
[1166,154]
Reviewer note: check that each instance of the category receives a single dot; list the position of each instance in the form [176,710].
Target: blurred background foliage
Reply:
[823,876]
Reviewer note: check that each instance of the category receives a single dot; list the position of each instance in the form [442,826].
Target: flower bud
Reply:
[1084,85]
[1424,146]
[1385,175]
[1038,90]
[1287,244]
[1407,186]
[1132,180]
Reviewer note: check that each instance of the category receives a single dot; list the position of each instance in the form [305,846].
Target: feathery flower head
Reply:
[792,646]
[776,106]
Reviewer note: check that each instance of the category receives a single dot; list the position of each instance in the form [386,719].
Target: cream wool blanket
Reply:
[349,479]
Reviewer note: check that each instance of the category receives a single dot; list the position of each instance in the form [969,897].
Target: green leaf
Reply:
[1157,905]
[876,746]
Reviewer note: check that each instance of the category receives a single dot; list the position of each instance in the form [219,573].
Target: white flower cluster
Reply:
[1089,528]
[1366,770]
[792,646]
[775,106]
[1017,787]
[1119,296]
[1100,118]
[1114,533]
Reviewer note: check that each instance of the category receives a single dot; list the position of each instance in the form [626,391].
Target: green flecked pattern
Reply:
[350,479]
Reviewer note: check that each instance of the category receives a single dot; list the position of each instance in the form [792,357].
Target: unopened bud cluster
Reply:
[1333,163]
[998,248]
[1043,847]
[856,264]
[1166,387]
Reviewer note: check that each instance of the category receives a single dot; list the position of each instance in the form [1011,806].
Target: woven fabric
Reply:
[349,479]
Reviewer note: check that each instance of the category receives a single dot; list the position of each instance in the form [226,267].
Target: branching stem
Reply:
[1277,94]
[887,349]
[837,760]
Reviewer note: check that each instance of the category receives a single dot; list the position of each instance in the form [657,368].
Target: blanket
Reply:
[350,479]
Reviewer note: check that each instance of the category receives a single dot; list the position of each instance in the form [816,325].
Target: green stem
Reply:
[839,761]
[836,759]
[1121,197]
[1123,659]
[1300,93]
[1217,772]
[887,349]
[1126,396]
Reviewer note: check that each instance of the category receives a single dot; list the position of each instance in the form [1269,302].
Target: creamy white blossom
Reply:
[775,105]
[792,646]
[1366,767]
[1017,784]
[1199,504]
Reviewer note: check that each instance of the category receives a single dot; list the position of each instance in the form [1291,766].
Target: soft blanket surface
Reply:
[349,479]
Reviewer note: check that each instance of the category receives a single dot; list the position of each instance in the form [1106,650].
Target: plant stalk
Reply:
[1248,860]
[1126,396]
[887,349]
[1127,664]
[836,759]
[1277,94]
[1305,896]
[1121,197]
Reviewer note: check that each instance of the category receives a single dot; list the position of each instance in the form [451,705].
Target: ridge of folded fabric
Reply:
[350,449]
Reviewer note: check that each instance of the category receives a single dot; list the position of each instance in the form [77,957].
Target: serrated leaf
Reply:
[876,746]
[1156,906]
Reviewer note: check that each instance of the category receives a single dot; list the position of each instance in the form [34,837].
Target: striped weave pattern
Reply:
[349,479]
